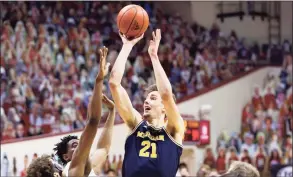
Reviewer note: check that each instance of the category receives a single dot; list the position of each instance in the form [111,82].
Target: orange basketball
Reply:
[132,21]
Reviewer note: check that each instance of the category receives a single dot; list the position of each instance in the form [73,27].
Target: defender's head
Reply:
[44,166]
[153,105]
[65,148]
[241,169]
[111,173]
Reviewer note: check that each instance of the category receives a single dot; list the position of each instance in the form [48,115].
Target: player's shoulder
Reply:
[65,172]
[138,127]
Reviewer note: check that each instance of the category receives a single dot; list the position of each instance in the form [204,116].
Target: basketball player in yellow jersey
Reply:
[153,147]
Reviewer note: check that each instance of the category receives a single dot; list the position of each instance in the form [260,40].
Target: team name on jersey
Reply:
[151,137]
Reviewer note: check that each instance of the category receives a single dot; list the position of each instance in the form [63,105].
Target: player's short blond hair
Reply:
[242,169]
[155,88]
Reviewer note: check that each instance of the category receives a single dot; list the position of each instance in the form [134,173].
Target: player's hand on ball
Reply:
[154,43]
[109,103]
[104,66]
[130,42]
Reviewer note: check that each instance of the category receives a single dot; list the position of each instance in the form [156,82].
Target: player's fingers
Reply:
[105,51]
[158,33]
[139,38]
[106,99]
[142,36]
[154,36]
[100,52]
[107,65]
[120,34]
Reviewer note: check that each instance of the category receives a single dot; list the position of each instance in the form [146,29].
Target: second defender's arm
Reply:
[100,155]
[175,121]
[122,101]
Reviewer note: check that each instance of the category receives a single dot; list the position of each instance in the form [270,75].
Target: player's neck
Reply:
[158,123]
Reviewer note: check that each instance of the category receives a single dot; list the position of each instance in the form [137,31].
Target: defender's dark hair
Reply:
[61,147]
[183,165]
[42,166]
[111,170]
[155,88]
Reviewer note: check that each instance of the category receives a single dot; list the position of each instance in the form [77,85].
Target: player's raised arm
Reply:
[121,99]
[175,122]
[100,155]
[80,159]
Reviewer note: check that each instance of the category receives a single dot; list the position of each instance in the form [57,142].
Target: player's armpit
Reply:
[175,123]
[124,106]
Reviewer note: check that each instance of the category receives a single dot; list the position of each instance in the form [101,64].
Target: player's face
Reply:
[72,145]
[153,106]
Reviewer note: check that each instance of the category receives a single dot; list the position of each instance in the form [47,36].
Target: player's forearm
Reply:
[95,106]
[162,81]
[119,66]
[106,136]
[81,153]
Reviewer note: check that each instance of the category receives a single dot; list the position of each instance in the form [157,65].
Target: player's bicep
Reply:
[175,121]
[124,106]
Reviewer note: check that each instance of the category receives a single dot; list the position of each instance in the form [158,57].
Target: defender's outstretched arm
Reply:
[100,155]
[80,159]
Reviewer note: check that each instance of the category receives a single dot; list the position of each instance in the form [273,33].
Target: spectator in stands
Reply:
[20,132]
[23,171]
[245,157]
[248,144]
[260,160]
[209,158]
[275,158]
[5,165]
[14,167]
[235,141]
[232,155]
[221,161]
[288,159]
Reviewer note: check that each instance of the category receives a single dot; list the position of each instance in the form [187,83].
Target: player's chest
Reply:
[150,144]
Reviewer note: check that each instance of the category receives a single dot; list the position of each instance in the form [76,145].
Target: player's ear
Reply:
[66,157]
[164,110]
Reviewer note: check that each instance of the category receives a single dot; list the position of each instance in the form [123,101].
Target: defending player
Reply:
[75,151]
[153,148]
[49,167]
[241,169]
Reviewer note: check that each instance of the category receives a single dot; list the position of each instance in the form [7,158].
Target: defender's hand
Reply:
[130,42]
[154,43]
[104,66]
[109,103]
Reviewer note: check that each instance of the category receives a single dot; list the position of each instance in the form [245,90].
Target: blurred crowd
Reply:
[49,61]
[266,137]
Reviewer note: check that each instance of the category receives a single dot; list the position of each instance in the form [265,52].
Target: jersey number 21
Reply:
[147,145]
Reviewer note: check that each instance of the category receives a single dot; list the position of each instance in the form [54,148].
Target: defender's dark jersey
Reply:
[150,152]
